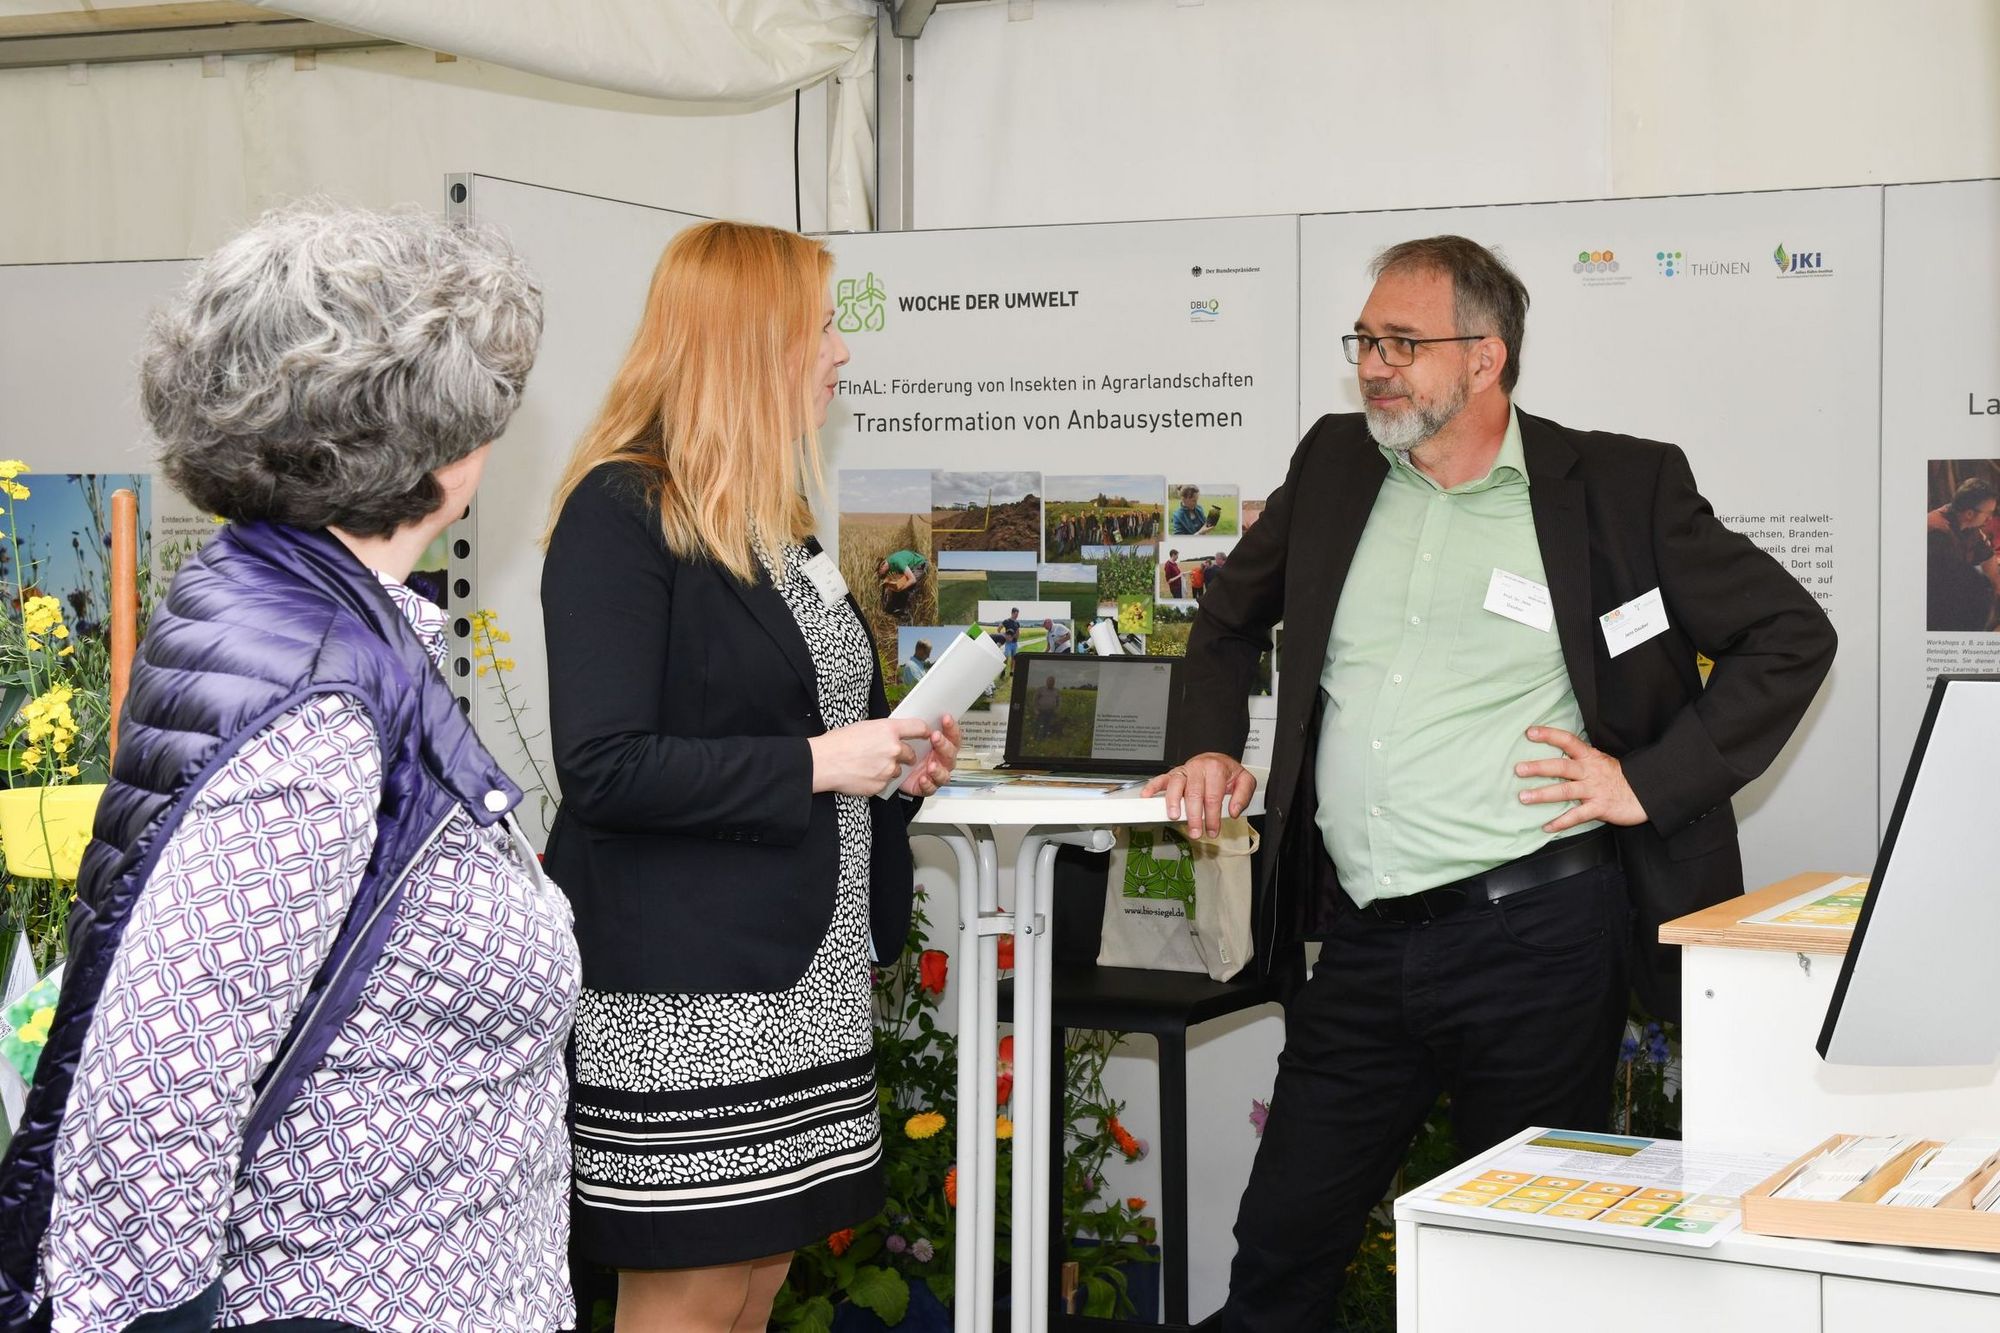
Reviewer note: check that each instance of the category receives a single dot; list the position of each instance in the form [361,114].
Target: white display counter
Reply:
[1470,1274]
[1753,999]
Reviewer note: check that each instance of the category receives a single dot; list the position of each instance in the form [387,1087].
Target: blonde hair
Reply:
[712,397]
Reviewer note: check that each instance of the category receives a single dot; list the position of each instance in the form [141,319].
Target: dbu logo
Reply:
[1798,263]
[1201,312]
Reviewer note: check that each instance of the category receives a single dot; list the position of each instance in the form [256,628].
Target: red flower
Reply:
[1006,952]
[932,967]
[840,1240]
[1005,1091]
[951,1187]
[1136,1204]
[1123,1138]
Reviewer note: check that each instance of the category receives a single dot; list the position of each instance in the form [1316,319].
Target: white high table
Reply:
[974,828]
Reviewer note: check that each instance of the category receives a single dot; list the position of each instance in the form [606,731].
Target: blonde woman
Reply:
[720,731]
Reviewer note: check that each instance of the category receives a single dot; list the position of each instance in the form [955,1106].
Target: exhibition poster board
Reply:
[1940,429]
[1060,423]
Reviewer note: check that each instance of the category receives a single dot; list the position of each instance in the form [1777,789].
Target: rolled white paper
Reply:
[965,670]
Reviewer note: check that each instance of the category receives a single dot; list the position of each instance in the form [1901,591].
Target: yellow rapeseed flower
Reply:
[42,615]
[11,468]
[924,1124]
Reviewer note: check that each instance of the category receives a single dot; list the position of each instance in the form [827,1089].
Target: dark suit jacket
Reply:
[1615,517]
[690,842]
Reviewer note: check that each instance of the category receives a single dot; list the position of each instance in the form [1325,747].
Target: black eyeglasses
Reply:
[1395,351]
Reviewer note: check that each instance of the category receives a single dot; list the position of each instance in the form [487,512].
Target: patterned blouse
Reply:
[421,1178]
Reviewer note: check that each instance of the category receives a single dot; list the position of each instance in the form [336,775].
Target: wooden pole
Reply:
[124,601]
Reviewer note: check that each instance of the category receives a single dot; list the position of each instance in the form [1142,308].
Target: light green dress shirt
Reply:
[1429,694]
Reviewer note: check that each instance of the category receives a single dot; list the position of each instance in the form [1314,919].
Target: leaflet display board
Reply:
[1045,425]
[1940,433]
[1744,328]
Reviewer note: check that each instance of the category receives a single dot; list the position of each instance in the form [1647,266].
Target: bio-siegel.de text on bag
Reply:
[1178,904]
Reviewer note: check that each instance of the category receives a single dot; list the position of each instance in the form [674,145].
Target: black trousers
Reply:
[1515,1009]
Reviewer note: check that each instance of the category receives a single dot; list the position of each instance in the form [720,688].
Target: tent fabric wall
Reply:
[150,161]
[1090,110]
[727,51]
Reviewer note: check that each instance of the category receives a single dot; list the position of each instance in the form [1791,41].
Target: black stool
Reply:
[1163,1005]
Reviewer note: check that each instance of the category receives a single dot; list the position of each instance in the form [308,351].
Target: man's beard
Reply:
[1407,429]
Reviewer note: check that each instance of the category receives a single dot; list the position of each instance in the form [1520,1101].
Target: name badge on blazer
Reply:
[1632,624]
[826,579]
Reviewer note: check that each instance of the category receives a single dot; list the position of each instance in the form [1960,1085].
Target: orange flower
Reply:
[932,967]
[840,1240]
[1123,1138]
[951,1187]
[1136,1204]
[1006,952]
[1004,1085]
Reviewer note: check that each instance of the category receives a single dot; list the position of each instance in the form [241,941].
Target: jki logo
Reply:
[862,305]
[1797,263]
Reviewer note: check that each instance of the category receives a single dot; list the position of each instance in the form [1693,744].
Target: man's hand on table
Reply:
[1203,790]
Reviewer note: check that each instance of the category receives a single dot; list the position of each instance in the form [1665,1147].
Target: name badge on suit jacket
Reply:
[1632,624]
[826,579]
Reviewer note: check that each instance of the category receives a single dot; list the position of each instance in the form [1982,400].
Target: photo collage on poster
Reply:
[1961,546]
[1031,560]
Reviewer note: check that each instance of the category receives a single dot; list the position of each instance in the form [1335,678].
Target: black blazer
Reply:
[1615,517]
[689,841]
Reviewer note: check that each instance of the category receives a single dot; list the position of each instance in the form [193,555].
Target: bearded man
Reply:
[1509,773]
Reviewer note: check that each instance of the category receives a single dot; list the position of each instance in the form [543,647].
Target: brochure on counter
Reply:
[1649,1189]
[1835,906]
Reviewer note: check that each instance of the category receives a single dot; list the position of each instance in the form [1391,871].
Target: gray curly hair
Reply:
[321,365]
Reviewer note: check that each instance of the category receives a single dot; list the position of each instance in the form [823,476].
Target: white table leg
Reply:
[1034,1021]
[1044,1135]
[983,1040]
[980,924]
[1030,1087]
[979,921]
[967,1256]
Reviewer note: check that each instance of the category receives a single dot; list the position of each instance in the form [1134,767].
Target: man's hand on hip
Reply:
[1590,777]
[1199,789]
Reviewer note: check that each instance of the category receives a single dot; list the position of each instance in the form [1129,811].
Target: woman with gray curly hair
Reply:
[310,1039]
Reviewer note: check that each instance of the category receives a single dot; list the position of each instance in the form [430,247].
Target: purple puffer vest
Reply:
[262,618]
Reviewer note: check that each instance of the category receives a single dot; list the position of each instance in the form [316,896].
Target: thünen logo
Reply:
[1669,262]
[863,305]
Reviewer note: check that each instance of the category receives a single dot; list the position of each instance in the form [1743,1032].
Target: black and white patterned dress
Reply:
[719,1128]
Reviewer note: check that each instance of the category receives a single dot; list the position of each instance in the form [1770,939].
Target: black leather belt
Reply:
[1545,865]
